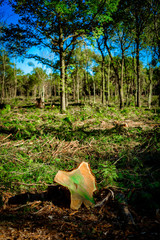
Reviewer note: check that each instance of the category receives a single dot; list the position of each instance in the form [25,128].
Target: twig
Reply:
[118,160]
[101,203]
[31,184]
[128,214]
[22,142]
[44,208]
[125,210]
[25,205]
[48,142]
[79,149]
[6,137]
[7,143]
[60,145]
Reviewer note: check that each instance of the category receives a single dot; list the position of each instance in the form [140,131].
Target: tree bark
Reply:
[117,75]
[102,73]
[42,93]
[77,78]
[62,67]
[94,91]
[150,87]
[3,78]
[121,81]
[15,79]
[108,88]
[103,82]
[137,40]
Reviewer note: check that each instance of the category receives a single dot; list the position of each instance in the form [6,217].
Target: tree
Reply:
[136,16]
[152,34]
[40,77]
[7,83]
[115,67]
[55,25]
[101,49]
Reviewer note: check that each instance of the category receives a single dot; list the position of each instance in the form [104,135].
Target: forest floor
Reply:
[35,144]
[44,220]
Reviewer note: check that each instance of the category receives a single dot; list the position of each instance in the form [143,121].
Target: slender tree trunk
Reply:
[62,68]
[62,60]
[3,77]
[134,79]
[138,103]
[74,89]
[84,86]
[117,75]
[35,91]
[87,81]
[55,88]
[102,73]
[77,78]
[66,92]
[150,87]
[42,93]
[103,82]
[108,89]
[121,81]
[94,91]
[15,79]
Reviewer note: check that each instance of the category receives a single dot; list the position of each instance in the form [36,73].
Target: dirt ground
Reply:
[46,220]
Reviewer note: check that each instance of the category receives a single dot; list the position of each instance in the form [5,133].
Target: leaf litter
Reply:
[46,220]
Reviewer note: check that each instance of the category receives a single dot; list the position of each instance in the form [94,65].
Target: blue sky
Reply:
[7,15]
[10,17]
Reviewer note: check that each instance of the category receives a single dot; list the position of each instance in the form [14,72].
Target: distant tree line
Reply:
[83,82]
[98,46]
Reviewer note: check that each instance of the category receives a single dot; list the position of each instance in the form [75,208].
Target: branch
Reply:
[41,59]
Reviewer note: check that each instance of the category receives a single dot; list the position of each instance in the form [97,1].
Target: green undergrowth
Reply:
[36,143]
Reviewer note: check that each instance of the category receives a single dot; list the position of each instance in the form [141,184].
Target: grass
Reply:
[36,143]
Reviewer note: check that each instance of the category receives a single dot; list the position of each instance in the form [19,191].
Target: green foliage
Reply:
[39,142]
[6,109]
[108,173]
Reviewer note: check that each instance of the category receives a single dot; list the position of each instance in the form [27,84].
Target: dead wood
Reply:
[57,194]
[110,195]
[124,208]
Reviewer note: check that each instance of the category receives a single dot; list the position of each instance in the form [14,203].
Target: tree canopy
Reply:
[56,26]
[117,30]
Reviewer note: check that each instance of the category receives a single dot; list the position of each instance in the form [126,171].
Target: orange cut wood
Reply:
[81,184]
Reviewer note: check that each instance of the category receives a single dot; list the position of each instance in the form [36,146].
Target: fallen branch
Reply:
[3,144]
[125,210]
[44,209]
[105,200]
[19,143]
[26,205]
[127,214]
[6,137]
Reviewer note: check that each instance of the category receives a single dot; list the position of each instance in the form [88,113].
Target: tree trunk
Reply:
[94,91]
[84,86]
[117,75]
[138,103]
[62,68]
[121,81]
[150,87]
[66,92]
[15,79]
[74,89]
[3,78]
[42,93]
[77,78]
[103,82]
[108,89]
